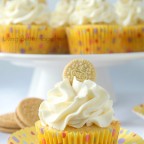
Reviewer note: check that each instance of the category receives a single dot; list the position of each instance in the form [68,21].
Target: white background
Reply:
[128,83]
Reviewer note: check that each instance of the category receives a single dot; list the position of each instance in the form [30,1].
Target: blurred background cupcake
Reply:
[92,28]
[59,20]
[1,16]
[97,27]
[24,27]
[130,17]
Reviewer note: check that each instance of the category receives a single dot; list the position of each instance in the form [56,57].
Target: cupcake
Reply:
[97,27]
[1,16]
[93,28]
[80,112]
[25,28]
[130,17]
[59,20]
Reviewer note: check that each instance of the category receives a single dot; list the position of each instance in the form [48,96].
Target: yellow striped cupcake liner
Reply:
[29,136]
[33,39]
[132,38]
[59,40]
[99,39]
[97,136]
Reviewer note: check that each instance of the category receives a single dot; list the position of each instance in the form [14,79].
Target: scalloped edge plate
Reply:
[28,136]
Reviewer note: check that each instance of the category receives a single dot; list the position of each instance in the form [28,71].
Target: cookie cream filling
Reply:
[129,12]
[24,12]
[91,12]
[76,105]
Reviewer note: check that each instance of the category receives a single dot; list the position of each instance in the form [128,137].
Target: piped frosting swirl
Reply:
[76,105]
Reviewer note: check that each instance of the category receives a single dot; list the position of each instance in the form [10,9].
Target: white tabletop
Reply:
[128,82]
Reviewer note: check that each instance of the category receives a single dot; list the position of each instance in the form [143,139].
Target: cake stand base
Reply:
[45,78]
[49,68]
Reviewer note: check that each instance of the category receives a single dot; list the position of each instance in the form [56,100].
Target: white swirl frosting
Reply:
[141,13]
[25,12]
[83,103]
[92,11]
[129,12]
[60,16]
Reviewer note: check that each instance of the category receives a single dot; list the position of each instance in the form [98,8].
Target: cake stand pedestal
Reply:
[49,68]
[45,79]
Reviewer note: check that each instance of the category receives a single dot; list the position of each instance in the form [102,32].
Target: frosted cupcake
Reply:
[59,20]
[130,16]
[25,28]
[1,17]
[92,28]
[77,113]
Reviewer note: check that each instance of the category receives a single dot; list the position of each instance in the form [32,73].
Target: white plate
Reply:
[98,59]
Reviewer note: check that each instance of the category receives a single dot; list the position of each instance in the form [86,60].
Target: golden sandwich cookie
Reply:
[27,112]
[8,123]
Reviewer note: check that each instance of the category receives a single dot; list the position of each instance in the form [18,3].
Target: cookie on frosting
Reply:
[27,112]
[81,69]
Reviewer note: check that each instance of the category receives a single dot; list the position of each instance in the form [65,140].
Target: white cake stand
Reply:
[49,68]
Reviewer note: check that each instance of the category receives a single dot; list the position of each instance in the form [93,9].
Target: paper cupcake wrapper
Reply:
[59,40]
[139,110]
[100,39]
[28,136]
[33,39]
[99,136]
[132,38]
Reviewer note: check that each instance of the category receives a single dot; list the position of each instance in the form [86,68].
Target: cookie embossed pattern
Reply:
[82,69]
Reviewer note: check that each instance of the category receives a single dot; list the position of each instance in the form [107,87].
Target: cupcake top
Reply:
[1,10]
[24,12]
[92,12]
[60,16]
[76,105]
[129,12]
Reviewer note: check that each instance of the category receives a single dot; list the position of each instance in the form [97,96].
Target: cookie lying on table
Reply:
[27,112]
[26,115]
[8,123]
